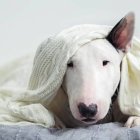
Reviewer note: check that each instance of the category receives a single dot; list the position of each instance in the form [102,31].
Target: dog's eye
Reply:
[105,62]
[70,64]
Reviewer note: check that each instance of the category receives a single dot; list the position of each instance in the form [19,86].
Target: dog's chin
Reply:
[84,120]
[89,121]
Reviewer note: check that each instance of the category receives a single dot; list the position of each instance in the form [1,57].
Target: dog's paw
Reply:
[132,121]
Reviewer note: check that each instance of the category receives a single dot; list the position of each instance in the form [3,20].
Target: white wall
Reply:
[25,23]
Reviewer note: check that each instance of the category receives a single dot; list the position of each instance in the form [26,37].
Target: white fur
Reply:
[91,82]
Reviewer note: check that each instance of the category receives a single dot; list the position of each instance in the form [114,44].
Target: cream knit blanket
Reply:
[21,105]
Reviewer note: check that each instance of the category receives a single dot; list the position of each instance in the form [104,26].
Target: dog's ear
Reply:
[121,35]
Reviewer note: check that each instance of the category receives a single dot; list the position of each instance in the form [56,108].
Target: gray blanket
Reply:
[109,131]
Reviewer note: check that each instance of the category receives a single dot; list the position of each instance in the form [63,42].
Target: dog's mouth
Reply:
[88,120]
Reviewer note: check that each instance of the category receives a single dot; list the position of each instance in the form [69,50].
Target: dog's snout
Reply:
[87,111]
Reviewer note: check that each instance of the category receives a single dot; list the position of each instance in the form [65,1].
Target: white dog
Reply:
[91,79]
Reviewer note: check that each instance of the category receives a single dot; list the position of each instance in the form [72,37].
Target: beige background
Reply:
[25,23]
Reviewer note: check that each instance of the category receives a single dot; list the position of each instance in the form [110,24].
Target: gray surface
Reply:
[110,131]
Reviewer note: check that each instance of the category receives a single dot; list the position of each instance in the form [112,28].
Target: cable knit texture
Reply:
[22,104]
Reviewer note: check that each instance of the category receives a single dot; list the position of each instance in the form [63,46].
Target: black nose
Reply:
[87,111]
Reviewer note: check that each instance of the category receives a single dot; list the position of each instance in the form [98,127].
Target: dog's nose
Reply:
[87,111]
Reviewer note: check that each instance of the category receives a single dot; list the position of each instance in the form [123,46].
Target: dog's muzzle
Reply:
[88,112]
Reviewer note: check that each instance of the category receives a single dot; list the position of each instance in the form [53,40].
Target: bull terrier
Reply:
[88,94]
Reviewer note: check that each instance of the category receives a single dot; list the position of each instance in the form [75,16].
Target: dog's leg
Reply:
[133,121]
[130,121]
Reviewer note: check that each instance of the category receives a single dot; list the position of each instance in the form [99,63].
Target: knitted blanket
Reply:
[24,100]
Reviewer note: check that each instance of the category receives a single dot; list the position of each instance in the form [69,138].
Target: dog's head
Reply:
[93,73]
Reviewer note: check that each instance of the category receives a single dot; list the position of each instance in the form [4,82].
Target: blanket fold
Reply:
[129,93]
[22,98]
